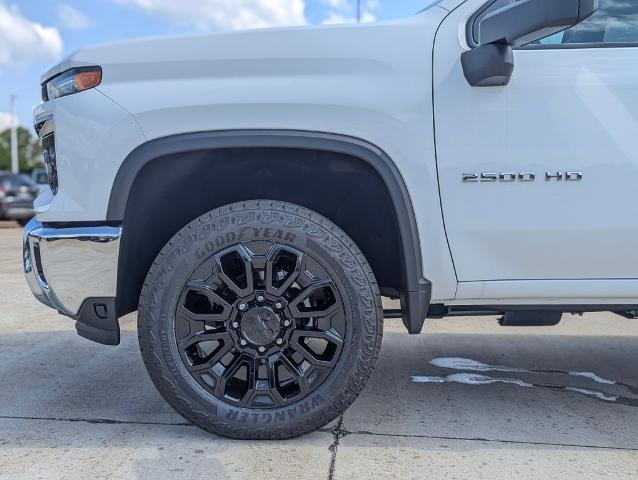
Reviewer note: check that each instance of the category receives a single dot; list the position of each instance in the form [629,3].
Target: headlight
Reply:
[72,81]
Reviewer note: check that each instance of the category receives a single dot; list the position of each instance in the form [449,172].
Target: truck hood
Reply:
[294,43]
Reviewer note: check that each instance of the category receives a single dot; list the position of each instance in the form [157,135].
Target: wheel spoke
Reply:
[225,377]
[314,311]
[250,363]
[289,273]
[225,345]
[205,336]
[296,372]
[330,342]
[235,269]
[214,299]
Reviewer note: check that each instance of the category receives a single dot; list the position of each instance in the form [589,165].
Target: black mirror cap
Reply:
[488,65]
[526,21]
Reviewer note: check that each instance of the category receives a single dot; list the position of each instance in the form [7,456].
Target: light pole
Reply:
[358,11]
[15,167]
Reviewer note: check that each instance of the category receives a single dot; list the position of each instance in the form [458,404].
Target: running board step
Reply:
[530,319]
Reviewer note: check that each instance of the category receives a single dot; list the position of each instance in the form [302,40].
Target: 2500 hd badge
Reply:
[510,177]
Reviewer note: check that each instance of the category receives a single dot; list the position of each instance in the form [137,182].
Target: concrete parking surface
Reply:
[466,399]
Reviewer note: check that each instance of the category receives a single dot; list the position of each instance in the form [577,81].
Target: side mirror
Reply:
[491,63]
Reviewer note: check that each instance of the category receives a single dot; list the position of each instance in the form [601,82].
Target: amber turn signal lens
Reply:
[87,79]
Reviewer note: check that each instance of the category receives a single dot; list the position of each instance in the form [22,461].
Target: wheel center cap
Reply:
[260,326]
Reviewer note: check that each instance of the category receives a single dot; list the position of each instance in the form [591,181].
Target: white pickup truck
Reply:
[254,194]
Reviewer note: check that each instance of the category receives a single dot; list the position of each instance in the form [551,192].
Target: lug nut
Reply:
[242,307]
[279,305]
[261,298]
[243,342]
[261,349]
[286,323]
[279,341]
[235,324]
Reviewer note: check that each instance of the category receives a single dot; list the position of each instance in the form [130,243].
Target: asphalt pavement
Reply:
[467,399]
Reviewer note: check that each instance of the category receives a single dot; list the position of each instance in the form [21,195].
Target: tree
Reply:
[29,150]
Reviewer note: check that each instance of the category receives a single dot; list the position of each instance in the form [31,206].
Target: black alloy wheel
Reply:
[260,325]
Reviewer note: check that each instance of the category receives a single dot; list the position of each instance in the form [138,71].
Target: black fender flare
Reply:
[416,299]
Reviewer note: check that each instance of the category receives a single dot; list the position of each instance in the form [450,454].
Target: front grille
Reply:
[48,151]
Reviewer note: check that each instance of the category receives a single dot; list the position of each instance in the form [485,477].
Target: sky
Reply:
[37,34]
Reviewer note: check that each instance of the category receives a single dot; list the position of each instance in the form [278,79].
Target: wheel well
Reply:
[172,190]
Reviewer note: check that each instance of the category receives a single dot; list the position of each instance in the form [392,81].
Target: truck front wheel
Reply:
[260,320]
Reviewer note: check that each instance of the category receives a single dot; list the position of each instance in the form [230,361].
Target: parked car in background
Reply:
[17,194]
[40,177]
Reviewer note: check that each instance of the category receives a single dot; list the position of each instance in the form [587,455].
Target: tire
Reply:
[260,320]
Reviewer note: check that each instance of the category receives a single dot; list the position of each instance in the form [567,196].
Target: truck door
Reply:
[539,178]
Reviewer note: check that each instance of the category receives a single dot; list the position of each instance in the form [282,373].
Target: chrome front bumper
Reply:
[64,267]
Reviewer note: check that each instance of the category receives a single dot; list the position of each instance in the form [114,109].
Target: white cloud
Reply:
[226,14]
[5,121]
[72,18]
[345,11]
[334,18]
[368,17]
[22,41]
